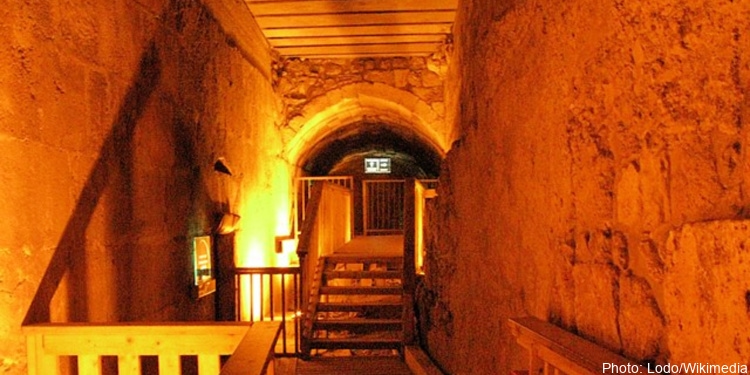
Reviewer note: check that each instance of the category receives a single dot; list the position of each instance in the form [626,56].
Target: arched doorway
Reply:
[377,193]
[336,132]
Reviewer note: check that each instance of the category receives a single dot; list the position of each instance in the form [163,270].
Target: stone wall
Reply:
[111,117]
[300,81]
[596,131]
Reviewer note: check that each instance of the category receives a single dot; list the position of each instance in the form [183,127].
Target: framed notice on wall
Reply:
[377,165]
[203,266]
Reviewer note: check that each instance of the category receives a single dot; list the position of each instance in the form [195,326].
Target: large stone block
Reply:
[597,299]
[707,292]
[640,319]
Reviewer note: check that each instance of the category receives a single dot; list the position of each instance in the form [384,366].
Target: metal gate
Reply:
[383,207]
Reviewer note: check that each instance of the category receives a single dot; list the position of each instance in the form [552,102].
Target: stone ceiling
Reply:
[354,28]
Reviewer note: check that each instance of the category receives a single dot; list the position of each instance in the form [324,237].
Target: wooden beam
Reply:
[365,55]
[565,351]
[356,40]
[318,20]
[368,49]
[141,339]
[255,352]
[267,8]
[305,32]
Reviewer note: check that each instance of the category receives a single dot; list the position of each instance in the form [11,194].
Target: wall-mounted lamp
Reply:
[221,166]
[227,224]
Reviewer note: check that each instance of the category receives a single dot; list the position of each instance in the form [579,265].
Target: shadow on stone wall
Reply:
[115,157]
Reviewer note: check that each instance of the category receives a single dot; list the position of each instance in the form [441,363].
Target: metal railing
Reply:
[383,207]
[273,294]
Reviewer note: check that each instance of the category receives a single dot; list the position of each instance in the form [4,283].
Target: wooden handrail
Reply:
[327,226]
[554,350]
[255,353]
[88,342]
[415,195]
[308,266]
[409,279]
[266,270]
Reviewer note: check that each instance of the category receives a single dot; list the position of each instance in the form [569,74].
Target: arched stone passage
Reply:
[340,112]
[412,155]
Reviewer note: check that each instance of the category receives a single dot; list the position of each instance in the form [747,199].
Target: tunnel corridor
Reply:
[590,160]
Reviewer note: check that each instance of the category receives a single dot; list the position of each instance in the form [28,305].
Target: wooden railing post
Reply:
[39,362]
[410,272]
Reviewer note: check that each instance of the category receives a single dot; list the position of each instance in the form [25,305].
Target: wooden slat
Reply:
[169,365]
[209,365]
[89,365]
[276,22]
[356,40]
[128,365]
[350,6]
[408,29]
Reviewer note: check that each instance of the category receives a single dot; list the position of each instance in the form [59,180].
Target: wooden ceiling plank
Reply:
[349,6]
[305,32]
[276,22]
[367,49]
[343,40]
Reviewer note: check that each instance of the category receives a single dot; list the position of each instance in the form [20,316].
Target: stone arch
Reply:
[365,102]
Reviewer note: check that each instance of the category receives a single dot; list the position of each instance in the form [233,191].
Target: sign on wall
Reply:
[377,165]
[203,266]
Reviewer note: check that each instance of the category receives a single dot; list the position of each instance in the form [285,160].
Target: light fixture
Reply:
[228,223]
[221,166]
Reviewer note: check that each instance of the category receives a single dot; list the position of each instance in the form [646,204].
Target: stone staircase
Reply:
[360,307]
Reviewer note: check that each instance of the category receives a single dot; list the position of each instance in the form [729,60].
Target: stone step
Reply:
[359,306]
[358,325]
[368,259]
[363,274]
[361,290]
[359,365]
[355,343]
